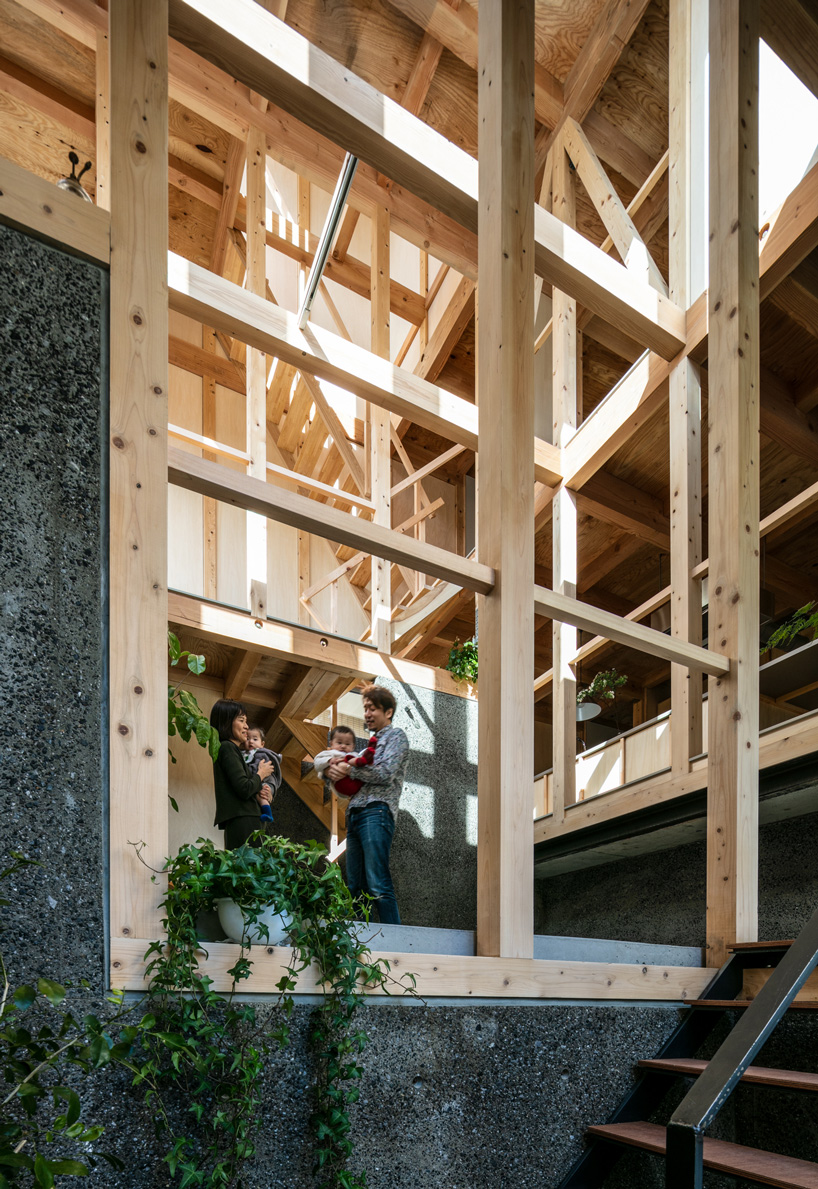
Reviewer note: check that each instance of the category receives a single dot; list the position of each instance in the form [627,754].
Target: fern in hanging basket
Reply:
[462,662]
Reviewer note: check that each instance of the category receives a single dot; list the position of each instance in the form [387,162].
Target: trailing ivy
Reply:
[185,717]
[201,1053]
[43,1047]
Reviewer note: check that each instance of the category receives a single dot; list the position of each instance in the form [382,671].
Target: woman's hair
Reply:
[341,730]
[223,715]
[383,698]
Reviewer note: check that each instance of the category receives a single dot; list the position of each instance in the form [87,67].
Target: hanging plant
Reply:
[803,622]
[201,1054]
[462,662]
[603,687]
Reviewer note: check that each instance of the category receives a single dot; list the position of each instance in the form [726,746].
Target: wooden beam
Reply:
[429,469]
[505,482]
[297,645]
[633,635]
[616,24]
[39,206]
[240,674]
[138,459]
[200,294]
[233,173]
[733,447]
[448,331]
[790,28]
[610,208]
[242,491]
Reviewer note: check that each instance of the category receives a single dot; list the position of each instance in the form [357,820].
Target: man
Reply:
[373,810]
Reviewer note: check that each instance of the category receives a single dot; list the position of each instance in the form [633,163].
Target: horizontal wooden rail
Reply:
[29,201]
[625,631]
[210,299]
[255,495]
[295,644]
[447,974]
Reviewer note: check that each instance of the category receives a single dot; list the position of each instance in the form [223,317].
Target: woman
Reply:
[238,790]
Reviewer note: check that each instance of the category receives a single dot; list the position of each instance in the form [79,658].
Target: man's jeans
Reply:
[369,841]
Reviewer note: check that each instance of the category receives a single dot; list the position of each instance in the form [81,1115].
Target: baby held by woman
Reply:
[342,749]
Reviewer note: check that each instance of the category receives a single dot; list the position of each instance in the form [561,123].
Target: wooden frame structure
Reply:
[305,468]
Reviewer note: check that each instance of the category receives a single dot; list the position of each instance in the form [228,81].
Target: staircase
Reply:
[683,1142]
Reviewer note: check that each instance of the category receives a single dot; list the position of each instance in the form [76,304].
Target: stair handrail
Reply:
[700,1106]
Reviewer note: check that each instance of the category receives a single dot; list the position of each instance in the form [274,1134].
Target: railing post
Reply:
[684,1159]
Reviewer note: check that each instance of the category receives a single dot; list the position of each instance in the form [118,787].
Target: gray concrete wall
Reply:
[661,896]
[434,852]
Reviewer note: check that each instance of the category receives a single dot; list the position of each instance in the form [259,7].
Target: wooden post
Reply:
[564,525]
[684,408]
[103,122]
[380,437]
[256,363]
[733,427]
[138,459]
[210,553]
[505,384]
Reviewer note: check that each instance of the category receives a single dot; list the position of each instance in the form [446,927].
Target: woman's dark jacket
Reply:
[236,786]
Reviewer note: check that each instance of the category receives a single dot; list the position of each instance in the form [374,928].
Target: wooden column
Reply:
[256,374]
[564,522]
[103,122]
[380,442]
[138,459]
[505,498]
[684,407]
[733,427]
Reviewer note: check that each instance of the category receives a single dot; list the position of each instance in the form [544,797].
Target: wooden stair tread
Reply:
[758,945]
[740,1004]
[766,1168]
[788,1079]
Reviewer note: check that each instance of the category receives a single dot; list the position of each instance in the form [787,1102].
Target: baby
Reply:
[256,752]
[342,747]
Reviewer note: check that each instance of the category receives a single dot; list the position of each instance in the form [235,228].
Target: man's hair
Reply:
[223,715]
[383,698]
[340,729]
[258,730]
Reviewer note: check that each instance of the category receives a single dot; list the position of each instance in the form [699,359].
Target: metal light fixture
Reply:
[586,710]
[72,183]
[336,209]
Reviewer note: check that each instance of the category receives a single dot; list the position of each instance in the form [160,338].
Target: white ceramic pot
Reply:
[231,920]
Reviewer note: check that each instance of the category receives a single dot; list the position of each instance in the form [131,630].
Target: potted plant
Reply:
[462,662]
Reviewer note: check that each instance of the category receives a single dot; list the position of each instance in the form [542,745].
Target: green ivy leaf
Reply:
[24,996]
[42,1173]
[196,663]
[54,992]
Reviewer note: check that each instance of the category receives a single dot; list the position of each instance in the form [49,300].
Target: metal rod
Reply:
[336,209]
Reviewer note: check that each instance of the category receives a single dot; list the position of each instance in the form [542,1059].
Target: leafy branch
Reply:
[803,622]
[185,717]
[604,685]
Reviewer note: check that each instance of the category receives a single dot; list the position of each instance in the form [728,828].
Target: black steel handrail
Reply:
[698,1109]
